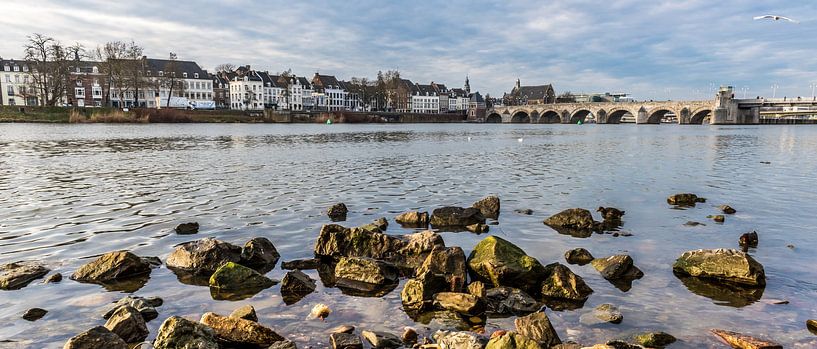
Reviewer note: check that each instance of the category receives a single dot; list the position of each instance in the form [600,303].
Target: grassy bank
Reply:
[114,115]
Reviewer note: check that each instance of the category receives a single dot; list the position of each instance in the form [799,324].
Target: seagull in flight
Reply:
[776,18]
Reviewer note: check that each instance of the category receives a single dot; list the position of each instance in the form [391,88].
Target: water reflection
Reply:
[723,293]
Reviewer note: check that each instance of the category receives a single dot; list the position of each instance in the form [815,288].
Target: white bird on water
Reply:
[520,140]
[776,18]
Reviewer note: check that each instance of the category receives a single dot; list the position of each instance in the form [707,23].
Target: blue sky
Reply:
[652,49]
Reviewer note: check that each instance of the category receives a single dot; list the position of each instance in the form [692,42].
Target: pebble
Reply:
[34,314]
[343,329]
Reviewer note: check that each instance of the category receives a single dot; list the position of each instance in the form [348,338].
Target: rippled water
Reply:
[71,192]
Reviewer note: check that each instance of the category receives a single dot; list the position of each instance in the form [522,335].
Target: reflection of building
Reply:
[527,95]
[15,83]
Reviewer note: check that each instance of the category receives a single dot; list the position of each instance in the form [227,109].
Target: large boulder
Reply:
[722,264]
[97,338]
[463,303]
[406,251]
[127,323]
[501,263]
[488,206]
[180,333]
[572,218]
[17,275]
[684,199]
[365,275]
[295,286]
[259,253]
[562,283]
[742,341]
[449,262]
[413,219]
[451,216]
[112,267]
[537,327]
[233,276]
[505,300]
[459,340]
[239,331]
[512,340]
[418,292]
[203,257]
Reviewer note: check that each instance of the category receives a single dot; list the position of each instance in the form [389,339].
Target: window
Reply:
[6,68]
[97,92]
[161,73]
[25,68]
[25,79]
[95,70]
[195,75]
[17,79]
[11,90]
[184,75]
[79,92]
[79,82]
[16,68]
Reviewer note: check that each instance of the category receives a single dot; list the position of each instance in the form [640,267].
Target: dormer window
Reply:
[147,73]
[195,75]
[77,69]
[7,68]
[185,75]
[95,70]
[25,68]
[161,73]
[16,68]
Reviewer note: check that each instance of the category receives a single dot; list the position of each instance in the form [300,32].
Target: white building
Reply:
[425,99]
[196,82]
[15,83]
[328,93]
[247,92]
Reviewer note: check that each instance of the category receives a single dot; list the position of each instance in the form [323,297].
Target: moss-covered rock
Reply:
[234,276]
[512,340]
[180,333]
[537,327]
[112,267]
[501,263]
[684,199]
[722,264]
[562,283]
[655,339]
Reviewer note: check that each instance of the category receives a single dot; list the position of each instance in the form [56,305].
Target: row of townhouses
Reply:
[184,84]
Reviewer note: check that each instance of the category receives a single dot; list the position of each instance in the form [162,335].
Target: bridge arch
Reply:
[520,117]
[615,115]
[697,118]
[494,118]
[579,115]
[655,115]
[550,116]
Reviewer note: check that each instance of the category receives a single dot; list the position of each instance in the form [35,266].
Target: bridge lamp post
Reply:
[774,90]
[744,89]
[812,85]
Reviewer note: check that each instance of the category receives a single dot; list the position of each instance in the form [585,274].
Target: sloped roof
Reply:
[476,97]
[325,80]
[426,89]
[532,92]
[304,81]
[189,67]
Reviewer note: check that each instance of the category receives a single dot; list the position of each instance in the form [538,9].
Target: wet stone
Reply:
[100,337]
[177,332]
[187,228]
[259,253]
[409,336]
[510,301]
[285,344]
[537,327]
[523,211]
[684,199]
[246,312]
[295,286]
[602,314]
[811,325]
[145,306]
[477,288]
[412,219]
[462,303]
[17,275]
[345,341]
[240,331]
[301,264]
[337,212]
[693,224]
[459,340]
[343,329]
[742,341]
[723,264]
[749,239]
[727,209]
[202,257]
[448,262]
[655,339]
[382,340]
[113,267]
[128,323]
[578,256]
[717,218]
[488,206]
[381,223]
[34,314]
[562,283]
[452,216]
[478,228]
[53,278]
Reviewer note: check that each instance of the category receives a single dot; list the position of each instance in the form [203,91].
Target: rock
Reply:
[112,267]
[572,218]
[562,283]
[459,340]
[617,344]
[511,340]
[463,303]
[717,218]
[301,264]
[722,264]
[478,228]
[204,256]
[409,336]
[413,219]
[382,340]
[187,228]
[97,338]
[566,346]
[578,256]
[145,306]
[381,223]
[448,262]
[343,329]
[451,216]
[34,314]
[655,339]
[608,313]
[749,239]
[345,341]
[508,300]
[365,274]
[477,288]
[246,312]
[684,199]
[741,341]
[407,251]
[537,327]
[501,263]
[524,211]
[14,276]
[418,292]
[442,319]
[337,212]
[610,213]
[285,344]
[260,254]
[127,323]
[693,224]
[319,311]
[811,325]
[240,331]
[488,206]
[233,276]
[53,278]
[727,209]
[295,286]
[180,333]
[615,267]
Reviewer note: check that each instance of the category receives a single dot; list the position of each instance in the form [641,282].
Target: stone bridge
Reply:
[686,112]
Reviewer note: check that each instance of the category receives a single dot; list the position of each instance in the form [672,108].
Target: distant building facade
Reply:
[527,95]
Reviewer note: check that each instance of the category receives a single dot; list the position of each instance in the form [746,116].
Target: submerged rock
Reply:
[413,219]
[610,213]
[246,312]
[572,218]
[655,339]
[749,239]
[187,228]
[345,341]
[418,292]
[722,264]
[127,323]
[452,216]
[382,340]
[727,209]
[178,333]
[240,331]
[295,286]
[463,303]
[619,270]
[488,206]
[34,314]
[602,314]
[741,341]
[260,254]
[684,199]
[145,306]
[537,327]
[112,267]
[448,262]
[564,284]
[337,212]
[98,337]
[365,275]
[17,275]
[523,211]
[53,278]
[407,251]
[459,340]
[811,325]
[478,228]
[578,256]
[501,263]
[717,218]
[203,257]
[505,300]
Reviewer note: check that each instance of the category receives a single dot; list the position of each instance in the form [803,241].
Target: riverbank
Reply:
[114,115]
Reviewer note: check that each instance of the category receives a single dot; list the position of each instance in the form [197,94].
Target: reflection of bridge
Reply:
[724,109]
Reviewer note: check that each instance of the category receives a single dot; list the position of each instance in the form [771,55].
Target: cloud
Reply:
[643,47]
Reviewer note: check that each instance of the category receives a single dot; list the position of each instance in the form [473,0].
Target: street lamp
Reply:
[744,89]
[812,85]
[774,90]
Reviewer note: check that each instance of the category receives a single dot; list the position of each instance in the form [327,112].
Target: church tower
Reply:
[467,86]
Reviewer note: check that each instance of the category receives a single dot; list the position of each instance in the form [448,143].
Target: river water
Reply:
[69,193]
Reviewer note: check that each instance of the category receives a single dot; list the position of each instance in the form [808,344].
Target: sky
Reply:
[650,49]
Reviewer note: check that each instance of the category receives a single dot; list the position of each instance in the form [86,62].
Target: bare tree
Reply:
[48,63]
[123,66]
[225,67]
[284,81]
[361,88]
[171,80]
